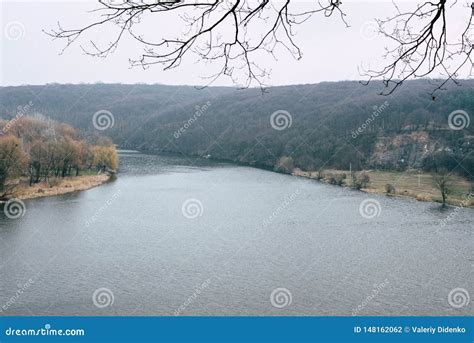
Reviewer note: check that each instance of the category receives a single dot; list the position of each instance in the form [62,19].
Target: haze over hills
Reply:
[333,124]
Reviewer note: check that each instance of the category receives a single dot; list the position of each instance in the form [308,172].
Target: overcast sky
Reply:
[330,50]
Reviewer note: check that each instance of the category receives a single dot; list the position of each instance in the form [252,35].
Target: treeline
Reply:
[36,149]
[333,124]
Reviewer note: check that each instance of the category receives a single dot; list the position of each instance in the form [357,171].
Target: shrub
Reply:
[340,179]
[390,189]
[360,181]
[336,179]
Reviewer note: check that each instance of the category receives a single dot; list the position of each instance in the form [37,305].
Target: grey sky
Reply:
[330,50]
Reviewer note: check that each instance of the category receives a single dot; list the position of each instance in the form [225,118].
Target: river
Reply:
[178,236]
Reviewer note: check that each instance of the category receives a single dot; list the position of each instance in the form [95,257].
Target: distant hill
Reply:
[333,124]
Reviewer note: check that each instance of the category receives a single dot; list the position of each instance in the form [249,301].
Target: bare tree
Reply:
[443,183]
[233,32]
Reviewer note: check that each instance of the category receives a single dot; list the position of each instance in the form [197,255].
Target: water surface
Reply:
[255,232]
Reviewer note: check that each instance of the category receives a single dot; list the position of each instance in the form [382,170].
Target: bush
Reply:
[390,189]
[340,179]
[360,181]
[336,179]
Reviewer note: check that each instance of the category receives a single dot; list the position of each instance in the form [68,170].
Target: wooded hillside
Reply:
[333,124]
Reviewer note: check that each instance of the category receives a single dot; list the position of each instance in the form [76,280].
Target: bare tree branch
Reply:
[227,32]
[422,46]
[231,34]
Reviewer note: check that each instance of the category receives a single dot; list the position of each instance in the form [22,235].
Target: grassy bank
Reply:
[409,184]
[58,186]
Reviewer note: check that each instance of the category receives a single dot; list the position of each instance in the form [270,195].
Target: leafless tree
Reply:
[233,32]
[443,183]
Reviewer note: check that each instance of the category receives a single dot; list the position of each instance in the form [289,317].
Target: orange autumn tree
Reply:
[36,149]
[13,161]
[105,157]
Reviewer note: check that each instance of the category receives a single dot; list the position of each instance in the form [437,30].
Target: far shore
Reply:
[408,184]
[411,184]
[59,186]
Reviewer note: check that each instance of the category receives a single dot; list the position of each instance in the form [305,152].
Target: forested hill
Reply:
[332,123]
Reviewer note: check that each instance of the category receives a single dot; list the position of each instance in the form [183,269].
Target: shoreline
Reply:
[407,189]
[424,193]
[410,184]
[64,186]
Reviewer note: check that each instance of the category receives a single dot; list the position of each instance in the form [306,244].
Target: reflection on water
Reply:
[253,243]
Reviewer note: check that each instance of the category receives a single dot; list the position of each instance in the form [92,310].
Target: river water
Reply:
[178,236]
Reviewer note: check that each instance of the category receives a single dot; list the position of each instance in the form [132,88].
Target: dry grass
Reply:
[58,186]
[410,183]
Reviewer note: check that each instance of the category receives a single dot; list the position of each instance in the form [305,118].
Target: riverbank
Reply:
[412,184]
[408,184]
[59,186]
